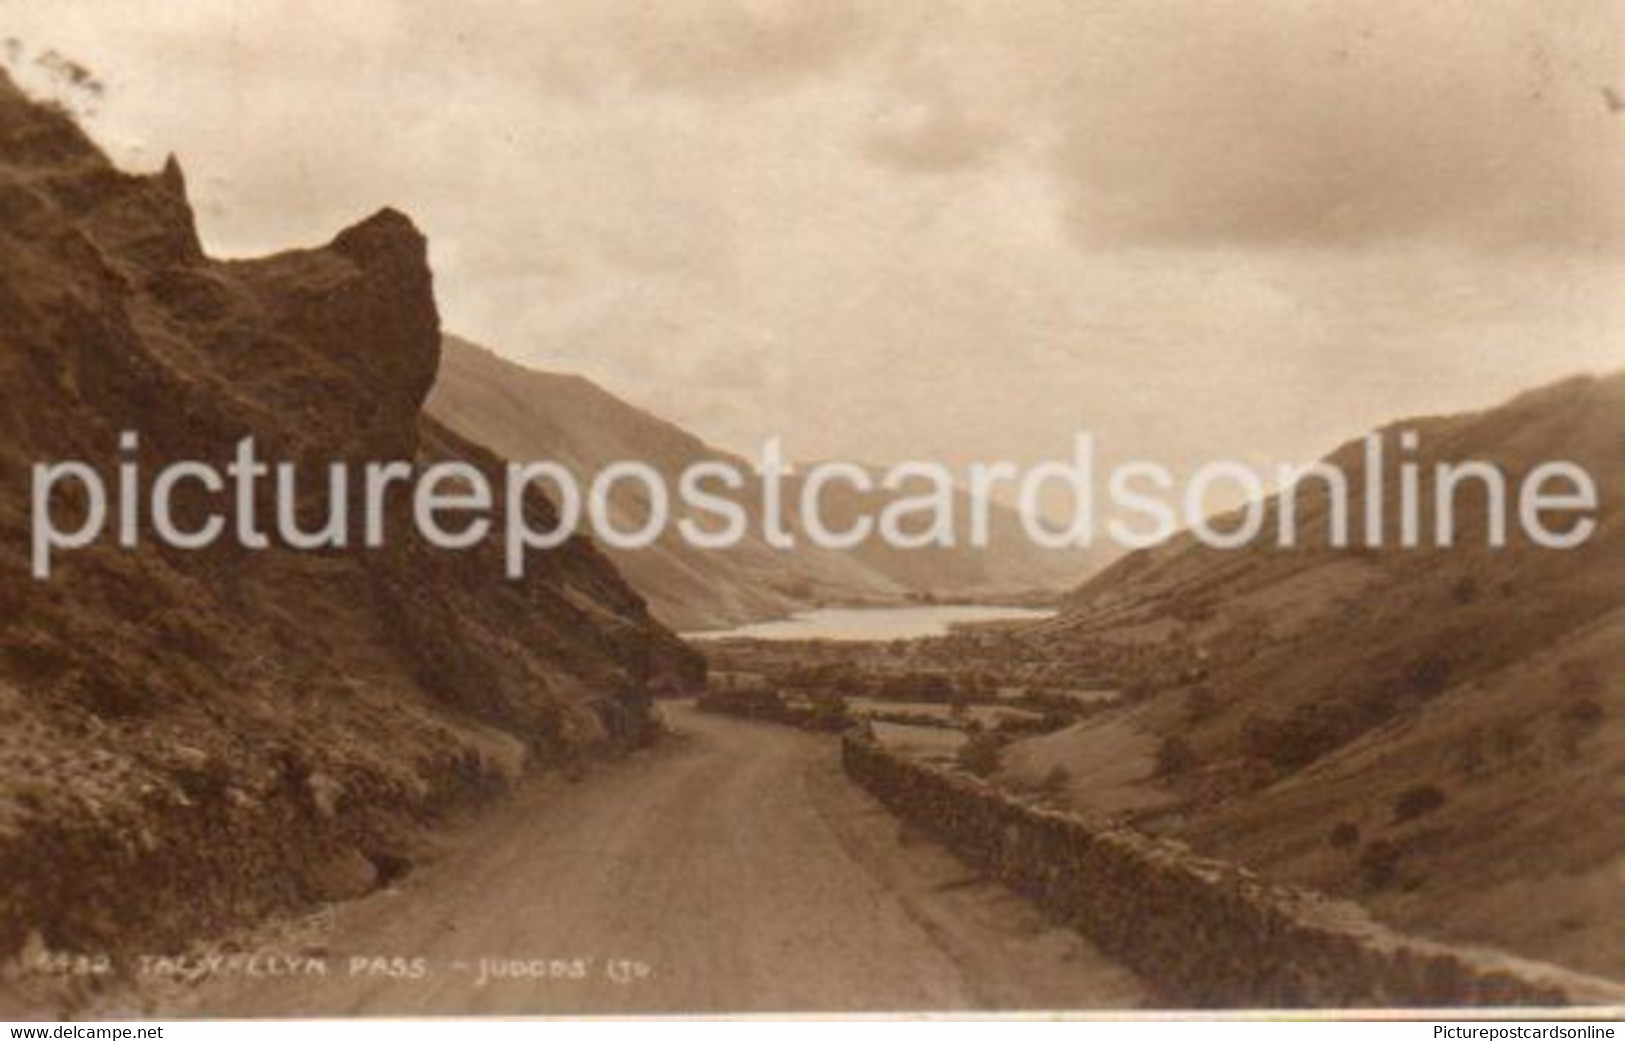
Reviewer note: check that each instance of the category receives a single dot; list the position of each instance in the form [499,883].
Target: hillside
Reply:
[526,414]
[1438,733]
[194,739]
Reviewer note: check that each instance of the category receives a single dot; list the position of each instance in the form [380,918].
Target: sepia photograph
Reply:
[1107,510]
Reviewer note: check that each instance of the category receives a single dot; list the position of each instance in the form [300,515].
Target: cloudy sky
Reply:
[928,229]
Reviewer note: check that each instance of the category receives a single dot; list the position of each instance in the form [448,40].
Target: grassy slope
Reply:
[1315,687]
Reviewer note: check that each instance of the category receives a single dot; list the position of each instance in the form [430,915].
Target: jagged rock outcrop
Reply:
[190,739]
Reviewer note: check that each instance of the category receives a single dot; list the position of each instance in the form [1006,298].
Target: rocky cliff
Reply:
[192,739]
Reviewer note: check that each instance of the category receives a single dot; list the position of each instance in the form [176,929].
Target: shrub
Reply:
[1417,801]
[1583,714]
[1470,760]
[1508,738]
[1056,780]
[111,697]
[982,754]
[1175,757]
[917,686]
[1379,865]
[1465,591]
[1345,835]
[1053,721]
[1200,704]
[1428,675]
[831,712]
[1140,688]
[1305,735]
[1580,679]
[1579,718]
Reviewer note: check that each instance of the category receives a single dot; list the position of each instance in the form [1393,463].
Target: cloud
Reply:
[1326,124]
[897,228]
[726,46]
[939,137]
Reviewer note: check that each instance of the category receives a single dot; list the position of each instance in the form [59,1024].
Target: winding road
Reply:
[732,870]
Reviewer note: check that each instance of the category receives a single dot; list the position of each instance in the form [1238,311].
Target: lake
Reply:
[874,623]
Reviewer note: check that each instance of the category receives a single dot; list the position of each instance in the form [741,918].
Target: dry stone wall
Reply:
[1203,932]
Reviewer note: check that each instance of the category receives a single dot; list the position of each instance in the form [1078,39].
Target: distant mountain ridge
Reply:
[528,414]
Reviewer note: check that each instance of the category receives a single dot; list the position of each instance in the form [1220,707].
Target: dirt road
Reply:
[733,870]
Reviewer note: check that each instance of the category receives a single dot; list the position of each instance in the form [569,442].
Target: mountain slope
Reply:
[1439,732]
[526,414]
[190,739]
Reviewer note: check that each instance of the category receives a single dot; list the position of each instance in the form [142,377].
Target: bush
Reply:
[1056,780]
[982,754]
[1470,760]
[831,713]
[1344,836]
[1428,675]
[1309,732]
[1200,705]
[917,686]
[1053,721]
[1417,801]
[1175,757]
[1508,738]
[1579,718]
[1583,714]
[1379,865]
[1581,679]
[1140,689]
[750,703]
